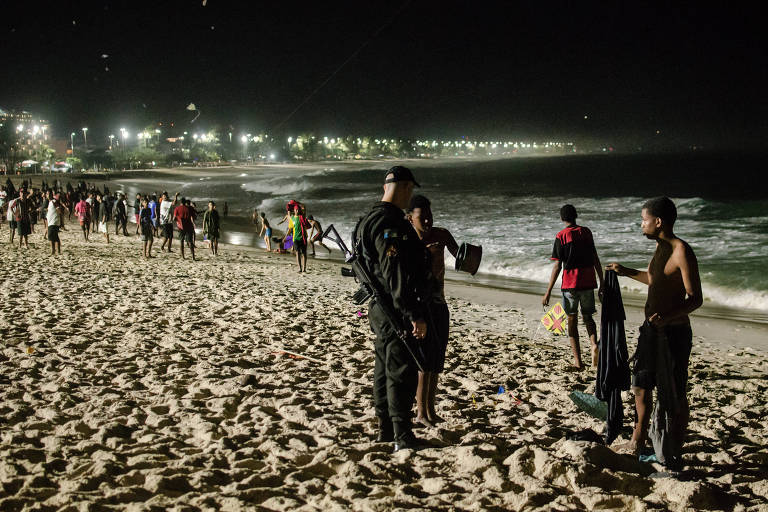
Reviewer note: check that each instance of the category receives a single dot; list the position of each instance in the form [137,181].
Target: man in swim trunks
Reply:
[575,250]
[436,240]
[316,235]
[674,291]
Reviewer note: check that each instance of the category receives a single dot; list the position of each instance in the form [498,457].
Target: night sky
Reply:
[429,69]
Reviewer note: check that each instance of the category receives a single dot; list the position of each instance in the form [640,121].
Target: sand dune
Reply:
[129,384]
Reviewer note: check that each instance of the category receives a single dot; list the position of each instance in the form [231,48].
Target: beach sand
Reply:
[132,384]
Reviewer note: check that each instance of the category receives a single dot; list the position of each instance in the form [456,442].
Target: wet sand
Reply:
[133,384]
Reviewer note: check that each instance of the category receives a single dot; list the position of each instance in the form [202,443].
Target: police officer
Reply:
[399,263]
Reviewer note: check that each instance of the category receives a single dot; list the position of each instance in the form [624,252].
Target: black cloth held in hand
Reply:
[613,374]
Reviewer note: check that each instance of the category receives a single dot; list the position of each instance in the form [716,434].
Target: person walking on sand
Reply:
[105,215]
[137,211]
[185,216]
[674,292]
[95,211]
[211,227]
[12,224]
[83,212]
[54,216]
[21,215]
[436,240]
[152,204]
[166,219]
[299,237]
[121,215]
[574,253]
[316,235]
[266,231]
[147,228]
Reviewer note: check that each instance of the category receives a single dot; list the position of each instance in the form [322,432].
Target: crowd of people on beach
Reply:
[156,216]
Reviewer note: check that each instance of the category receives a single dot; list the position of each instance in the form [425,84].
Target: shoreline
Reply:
[244,236]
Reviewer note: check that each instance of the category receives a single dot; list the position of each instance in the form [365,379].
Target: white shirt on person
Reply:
[166,212]
[10,216]
[52,216]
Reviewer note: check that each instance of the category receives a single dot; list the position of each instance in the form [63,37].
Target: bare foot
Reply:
[628,448]
[424,421]
[435,419]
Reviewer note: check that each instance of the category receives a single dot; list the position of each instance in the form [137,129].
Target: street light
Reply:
[85,137]
[110,141]
[72,140]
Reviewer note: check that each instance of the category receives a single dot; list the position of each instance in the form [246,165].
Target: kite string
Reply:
[338,69]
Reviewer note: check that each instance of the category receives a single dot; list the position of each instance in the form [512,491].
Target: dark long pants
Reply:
[395,376]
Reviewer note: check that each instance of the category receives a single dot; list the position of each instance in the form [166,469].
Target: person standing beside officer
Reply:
[436,240]
[399,263]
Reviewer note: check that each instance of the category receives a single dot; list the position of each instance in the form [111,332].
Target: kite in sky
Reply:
[193,108]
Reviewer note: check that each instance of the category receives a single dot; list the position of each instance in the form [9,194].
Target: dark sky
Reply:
[443,69]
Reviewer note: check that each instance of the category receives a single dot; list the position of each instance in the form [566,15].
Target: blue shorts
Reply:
[268,234]
[572,299]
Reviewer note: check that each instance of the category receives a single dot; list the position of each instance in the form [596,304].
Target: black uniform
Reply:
[399,261]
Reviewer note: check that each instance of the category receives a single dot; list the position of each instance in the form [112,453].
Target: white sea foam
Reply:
[278,186]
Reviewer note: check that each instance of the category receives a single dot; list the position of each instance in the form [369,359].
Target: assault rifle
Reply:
[369,288]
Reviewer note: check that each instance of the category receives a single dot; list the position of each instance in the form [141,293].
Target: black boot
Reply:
[386,431]
[406,440]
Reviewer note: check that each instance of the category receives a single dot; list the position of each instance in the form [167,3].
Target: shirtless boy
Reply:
[436,240]
[316,235]
[674,291]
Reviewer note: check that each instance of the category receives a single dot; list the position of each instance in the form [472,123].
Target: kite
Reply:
[554,319]
[193,108]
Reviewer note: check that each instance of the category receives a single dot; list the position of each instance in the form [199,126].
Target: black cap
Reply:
[400,173]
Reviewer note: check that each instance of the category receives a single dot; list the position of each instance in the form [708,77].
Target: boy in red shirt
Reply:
[185,216]
[574,252]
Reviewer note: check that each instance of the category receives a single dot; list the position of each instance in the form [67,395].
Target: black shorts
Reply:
[168,230]
[680,340]
[433,347]
[23,228]
[187,236]
[13,225]
[300,247]
[53,234]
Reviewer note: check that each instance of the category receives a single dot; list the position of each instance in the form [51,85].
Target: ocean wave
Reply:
[742,298]
[278,186]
